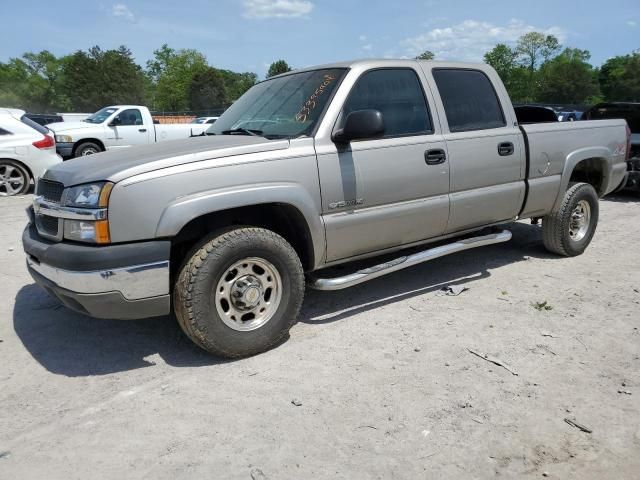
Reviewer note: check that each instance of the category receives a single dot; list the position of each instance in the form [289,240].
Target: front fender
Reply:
[184,209]
[602,154]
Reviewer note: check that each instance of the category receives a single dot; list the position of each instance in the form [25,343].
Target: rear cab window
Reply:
[469,99]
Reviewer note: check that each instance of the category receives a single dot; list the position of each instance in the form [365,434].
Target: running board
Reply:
[366,274]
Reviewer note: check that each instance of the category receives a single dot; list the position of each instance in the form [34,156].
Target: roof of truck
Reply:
[388,62]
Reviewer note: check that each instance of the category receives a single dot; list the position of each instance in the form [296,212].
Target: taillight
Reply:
[628,142]
[47,142]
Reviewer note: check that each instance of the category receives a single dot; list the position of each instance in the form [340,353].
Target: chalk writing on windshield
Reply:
[310,104]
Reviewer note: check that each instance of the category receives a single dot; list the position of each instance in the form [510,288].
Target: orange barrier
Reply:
[174,118]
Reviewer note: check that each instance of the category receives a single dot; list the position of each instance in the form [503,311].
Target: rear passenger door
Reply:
[486,157]
[384,192]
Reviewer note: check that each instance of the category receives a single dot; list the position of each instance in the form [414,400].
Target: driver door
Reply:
[127,129]
[387,192]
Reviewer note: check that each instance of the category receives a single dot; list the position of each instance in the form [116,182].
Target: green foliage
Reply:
[33,82]
[535,72]
[534,48]
[207,90]
[278,67]
[181,80]
[172,72]
[620,78]
[502,59]
[237,83]
[517,79]
[97,78]
[568,78]
[426,55]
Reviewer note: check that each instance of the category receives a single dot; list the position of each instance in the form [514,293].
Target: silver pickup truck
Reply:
[308,170]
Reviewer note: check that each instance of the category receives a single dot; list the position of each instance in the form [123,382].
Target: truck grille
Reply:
[51,191]
[47,225]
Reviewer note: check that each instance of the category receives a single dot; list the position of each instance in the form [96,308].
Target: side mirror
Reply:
[115,122]
[360,125]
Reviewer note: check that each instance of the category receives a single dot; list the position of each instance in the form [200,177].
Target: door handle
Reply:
[505,149]
[435,156]
[142,130]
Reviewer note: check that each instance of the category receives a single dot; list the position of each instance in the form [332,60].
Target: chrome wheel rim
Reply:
[12,180]
[248,294]
[580,221]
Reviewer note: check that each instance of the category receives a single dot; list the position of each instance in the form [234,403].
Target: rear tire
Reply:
[239,293]
[14,178]
[569,230]
[87,148]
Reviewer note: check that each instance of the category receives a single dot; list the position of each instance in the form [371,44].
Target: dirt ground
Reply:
[375,382]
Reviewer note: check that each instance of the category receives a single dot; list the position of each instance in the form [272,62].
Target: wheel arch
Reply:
[588,165]
[190,218]
[97,141]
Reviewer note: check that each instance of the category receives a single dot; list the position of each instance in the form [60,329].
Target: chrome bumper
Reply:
[134,283]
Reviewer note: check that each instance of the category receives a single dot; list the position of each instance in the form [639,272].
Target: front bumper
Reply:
[126,281]
[64,149]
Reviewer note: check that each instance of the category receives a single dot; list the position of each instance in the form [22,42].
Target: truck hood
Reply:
[59,127]
[116,165]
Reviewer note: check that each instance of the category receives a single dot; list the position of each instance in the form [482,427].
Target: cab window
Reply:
[130,117]
[398,95]
[469,99]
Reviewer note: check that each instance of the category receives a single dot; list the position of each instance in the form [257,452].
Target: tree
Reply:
[534,48]
[502,59]
[516,78]
[278,67]
[171,72]
[620,78]
[160,62]
[97,78]
[33,82]
[237,83]
[426,55]
[568,78]
[207,90]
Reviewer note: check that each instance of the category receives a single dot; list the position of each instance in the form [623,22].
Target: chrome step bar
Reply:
[366,274]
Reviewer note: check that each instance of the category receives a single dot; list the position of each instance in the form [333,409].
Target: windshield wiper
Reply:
[245,131]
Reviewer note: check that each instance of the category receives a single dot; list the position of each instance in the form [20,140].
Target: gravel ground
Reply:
[375,382]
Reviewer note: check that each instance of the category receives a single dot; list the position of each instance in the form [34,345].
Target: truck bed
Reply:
[548,145]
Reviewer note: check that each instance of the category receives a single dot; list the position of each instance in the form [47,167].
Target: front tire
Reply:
[239,293]
[569,230]
[87,148]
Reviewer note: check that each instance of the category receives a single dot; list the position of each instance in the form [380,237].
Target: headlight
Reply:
[91,195]
[87,231]
[64,139]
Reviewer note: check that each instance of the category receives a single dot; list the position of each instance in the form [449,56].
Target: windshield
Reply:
[199,120]
[101,115]
[283,107]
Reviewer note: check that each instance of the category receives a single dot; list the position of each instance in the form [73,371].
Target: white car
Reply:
[205,120]
[27,150]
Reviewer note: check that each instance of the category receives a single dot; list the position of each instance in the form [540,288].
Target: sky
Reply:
[247,35]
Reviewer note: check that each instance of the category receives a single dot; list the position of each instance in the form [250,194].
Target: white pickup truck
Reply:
[115,127]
